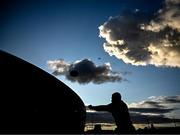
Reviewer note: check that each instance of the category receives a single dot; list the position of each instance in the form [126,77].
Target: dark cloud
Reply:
[143,119]
[151,110]
[160,102]
[169,99]
[153,104]
[134,39]
[84,71]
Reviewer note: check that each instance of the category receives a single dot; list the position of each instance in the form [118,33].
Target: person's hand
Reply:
[90,106]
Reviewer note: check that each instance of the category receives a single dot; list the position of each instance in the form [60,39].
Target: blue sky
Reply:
[38,31]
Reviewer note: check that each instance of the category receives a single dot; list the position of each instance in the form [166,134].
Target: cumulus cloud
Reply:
[84,71]
[169,16]
[134,39]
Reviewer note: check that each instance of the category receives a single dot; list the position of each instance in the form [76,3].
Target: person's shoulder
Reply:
[110,104]
[123,103]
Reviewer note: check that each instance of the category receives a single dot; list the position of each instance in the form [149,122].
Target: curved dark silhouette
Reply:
[33,101]
[120,113]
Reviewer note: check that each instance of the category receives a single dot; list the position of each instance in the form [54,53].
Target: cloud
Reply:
[84,71]
[166,99]
[135,39]
[60,67]
[151,110]
[169,16]
[162,105]
[157,102]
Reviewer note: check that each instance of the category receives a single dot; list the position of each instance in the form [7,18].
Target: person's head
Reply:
[116,97]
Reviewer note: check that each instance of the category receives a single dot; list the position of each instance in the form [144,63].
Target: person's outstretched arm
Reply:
[100,107]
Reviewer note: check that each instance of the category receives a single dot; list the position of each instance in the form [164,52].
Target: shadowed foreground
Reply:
[163,130]
[33,101]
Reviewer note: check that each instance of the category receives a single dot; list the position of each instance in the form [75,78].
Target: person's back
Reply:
[122,118]
[120,113]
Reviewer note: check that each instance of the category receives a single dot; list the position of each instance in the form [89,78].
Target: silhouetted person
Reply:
[120,113]
[152,128]
[97,128]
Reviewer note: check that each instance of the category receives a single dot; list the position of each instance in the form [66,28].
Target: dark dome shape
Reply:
[33,101]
